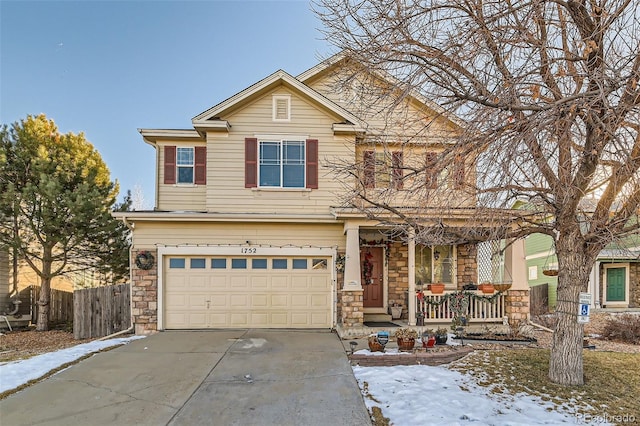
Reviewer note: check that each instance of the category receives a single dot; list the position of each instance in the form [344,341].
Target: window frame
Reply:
[282,161]
[185,166]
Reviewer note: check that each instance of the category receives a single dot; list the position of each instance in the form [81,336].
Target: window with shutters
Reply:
[185,165]
[383,169]
[272,162]
[281,108]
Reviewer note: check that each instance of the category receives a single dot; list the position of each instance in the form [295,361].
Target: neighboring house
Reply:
[615,278]
[251,229]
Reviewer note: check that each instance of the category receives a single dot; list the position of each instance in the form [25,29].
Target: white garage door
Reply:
[246,292]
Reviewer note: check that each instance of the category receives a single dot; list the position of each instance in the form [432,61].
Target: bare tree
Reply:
[549,96]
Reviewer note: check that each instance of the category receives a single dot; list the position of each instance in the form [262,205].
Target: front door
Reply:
[372,269]
[616,284]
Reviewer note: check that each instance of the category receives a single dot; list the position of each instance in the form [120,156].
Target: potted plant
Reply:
[406,338]
[441,336]
[486,287]
[374,344]
[436,288]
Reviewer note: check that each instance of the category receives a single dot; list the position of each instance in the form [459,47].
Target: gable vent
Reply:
[281,108]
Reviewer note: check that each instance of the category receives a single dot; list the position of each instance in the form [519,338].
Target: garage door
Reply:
[246,292]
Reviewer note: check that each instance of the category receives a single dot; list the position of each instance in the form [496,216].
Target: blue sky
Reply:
[107,68]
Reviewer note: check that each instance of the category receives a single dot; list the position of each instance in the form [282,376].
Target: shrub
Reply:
[622,328]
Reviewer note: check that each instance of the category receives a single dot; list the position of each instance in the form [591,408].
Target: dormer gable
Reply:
[212,119]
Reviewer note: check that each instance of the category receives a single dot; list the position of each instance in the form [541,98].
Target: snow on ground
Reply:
[17,373]
[425,395]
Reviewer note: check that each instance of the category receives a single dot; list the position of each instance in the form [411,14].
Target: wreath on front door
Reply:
[367,269]
[145,260]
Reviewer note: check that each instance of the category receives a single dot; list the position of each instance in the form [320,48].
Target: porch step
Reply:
[377,318]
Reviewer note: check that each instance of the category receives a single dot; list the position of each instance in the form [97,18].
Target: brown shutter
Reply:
[397,172]
[458,171]
[200,165]
[250,162]
[369,178]
[170,164]
[312,163]
[431,176]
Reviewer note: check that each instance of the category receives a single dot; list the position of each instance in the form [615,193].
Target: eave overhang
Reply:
[190,216]
[152,136]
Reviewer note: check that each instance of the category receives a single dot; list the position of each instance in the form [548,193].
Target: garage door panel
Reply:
[238,296]
[279,282]
[299,300]
[239,282]
[259,301]
[218,300]
[239,300]
[299,283]
[259,282]
[279,300]
[278,319]
[239,319]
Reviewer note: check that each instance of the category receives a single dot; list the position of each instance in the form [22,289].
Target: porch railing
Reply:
[478,310]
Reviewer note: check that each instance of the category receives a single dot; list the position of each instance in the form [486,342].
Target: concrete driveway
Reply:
[225,377]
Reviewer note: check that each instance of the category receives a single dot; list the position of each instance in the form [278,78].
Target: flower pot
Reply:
[406,344]
[486,288]
[437,288]
[396,312]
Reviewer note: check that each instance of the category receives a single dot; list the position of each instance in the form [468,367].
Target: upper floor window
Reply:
[285,163]
[383,169]
[185,165]
[282,164]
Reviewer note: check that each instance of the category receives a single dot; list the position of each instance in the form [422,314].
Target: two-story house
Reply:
[252,228]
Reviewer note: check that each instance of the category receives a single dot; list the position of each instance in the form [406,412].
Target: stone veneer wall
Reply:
[352,313]
[517,306]
[397,273]
[144,296]
[467,264]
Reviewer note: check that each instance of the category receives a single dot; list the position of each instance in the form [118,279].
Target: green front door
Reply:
[615,284]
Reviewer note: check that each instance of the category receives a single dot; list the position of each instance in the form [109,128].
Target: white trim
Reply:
[540,255]
[617,303]
[236,250]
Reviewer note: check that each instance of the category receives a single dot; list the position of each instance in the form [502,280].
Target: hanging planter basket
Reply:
[550,272]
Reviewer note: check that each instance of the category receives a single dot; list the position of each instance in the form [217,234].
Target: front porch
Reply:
[400,278]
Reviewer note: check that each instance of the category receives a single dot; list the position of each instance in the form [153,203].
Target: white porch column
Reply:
[514,260]
[411,302]
[352,259]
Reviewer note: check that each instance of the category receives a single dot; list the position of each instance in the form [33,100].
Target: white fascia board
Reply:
[341,128]
[245,250]
[151,136]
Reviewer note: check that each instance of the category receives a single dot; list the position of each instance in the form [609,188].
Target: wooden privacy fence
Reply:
[60,306]
[539,299]
[101,311]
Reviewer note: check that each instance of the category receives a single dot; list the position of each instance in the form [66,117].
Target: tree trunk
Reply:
[574,266]
[42,323]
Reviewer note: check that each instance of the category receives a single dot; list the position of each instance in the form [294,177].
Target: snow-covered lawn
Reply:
[425,395]
[16,373]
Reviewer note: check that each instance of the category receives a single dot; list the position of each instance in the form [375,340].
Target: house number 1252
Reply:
[248,250]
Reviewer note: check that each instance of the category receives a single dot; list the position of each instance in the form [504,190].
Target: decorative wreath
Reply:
[145,260]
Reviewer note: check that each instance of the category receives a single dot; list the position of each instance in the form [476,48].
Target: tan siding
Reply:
[147,235]
[406,122]
[225,161]
[178,197]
